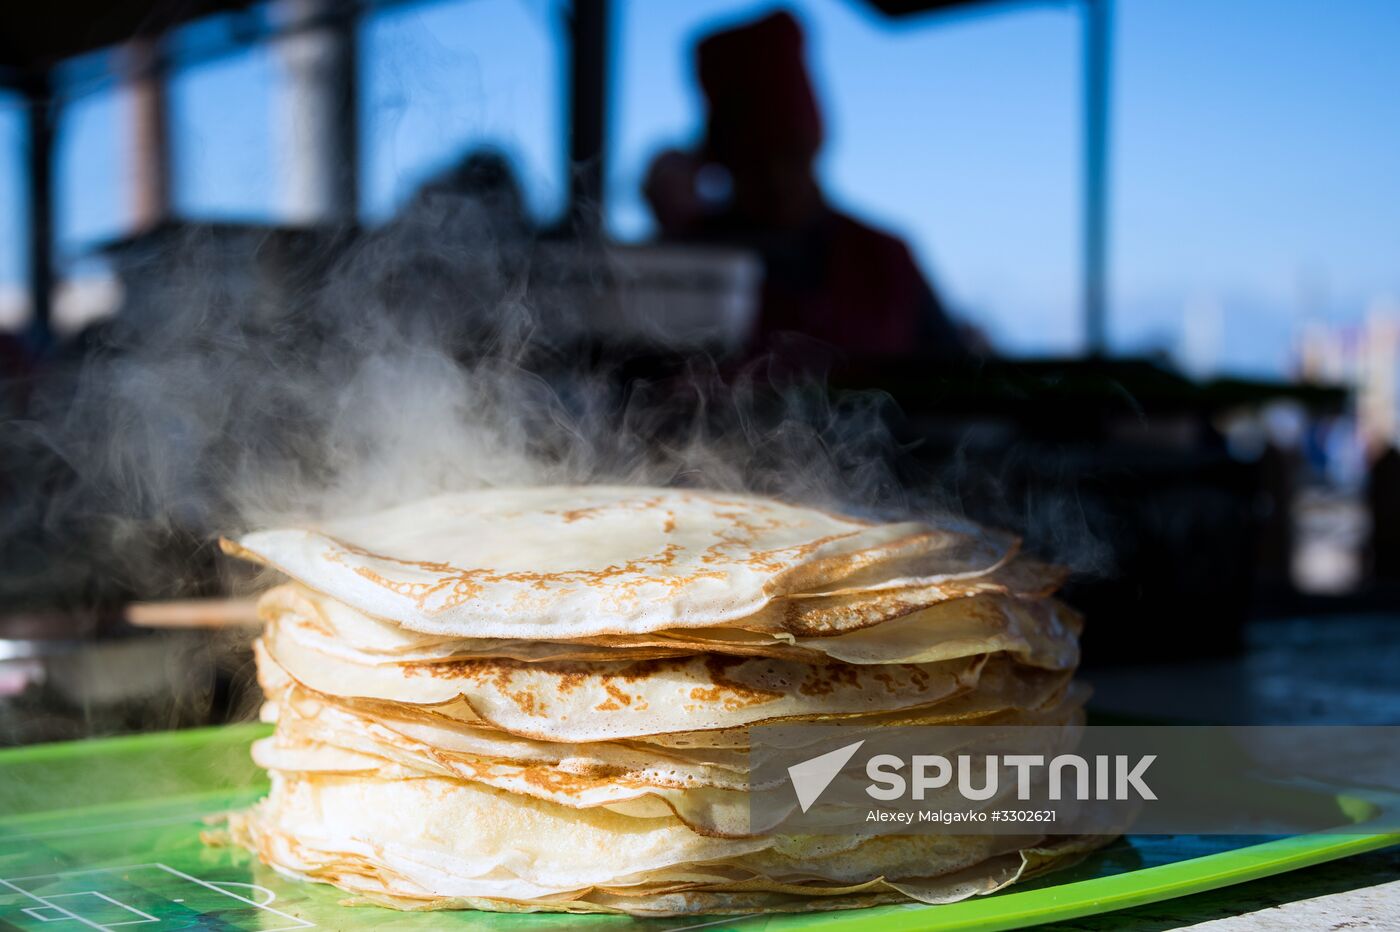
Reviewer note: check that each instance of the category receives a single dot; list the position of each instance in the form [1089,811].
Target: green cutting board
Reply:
[104,834]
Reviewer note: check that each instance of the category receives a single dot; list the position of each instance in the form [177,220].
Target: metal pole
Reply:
[150,134]
[322,110]
[1098,25]
[39,112]
[588,98]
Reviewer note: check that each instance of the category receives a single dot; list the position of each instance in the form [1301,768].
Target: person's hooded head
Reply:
[763,123]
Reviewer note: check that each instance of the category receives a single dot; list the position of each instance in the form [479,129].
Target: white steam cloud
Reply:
[255,380]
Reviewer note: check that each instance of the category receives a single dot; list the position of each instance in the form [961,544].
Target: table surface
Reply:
[104,832]
[1329,670]
[1335,670]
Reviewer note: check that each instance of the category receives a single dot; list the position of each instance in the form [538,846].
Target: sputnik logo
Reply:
[811,777]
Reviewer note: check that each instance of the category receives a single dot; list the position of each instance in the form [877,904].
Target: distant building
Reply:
[1366,357]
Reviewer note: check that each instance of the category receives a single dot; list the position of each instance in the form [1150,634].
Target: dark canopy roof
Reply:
[36,35]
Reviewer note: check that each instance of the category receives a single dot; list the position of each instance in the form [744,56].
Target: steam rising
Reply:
[257,380]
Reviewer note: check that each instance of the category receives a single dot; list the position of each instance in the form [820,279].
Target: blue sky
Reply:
[1254,148]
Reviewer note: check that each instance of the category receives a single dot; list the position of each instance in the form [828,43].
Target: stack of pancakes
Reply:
[538,699]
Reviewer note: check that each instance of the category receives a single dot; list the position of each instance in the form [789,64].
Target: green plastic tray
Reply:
[104,834]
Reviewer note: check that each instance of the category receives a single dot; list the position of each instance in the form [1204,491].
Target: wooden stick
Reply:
[194,613]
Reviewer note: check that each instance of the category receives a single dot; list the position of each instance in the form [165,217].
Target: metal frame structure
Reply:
[31,73]
[40,121]
[1098,25]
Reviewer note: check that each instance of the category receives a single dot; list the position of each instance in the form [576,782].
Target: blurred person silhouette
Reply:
[753,185]
[485,178]
[480,196]
[456,258]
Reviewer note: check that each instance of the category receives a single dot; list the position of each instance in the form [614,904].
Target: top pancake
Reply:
[572,562]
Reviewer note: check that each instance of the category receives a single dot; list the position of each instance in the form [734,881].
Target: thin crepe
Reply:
[602,701]
[566,563]
[1002,687]
[1041,632]
[458,839]
[321,737]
